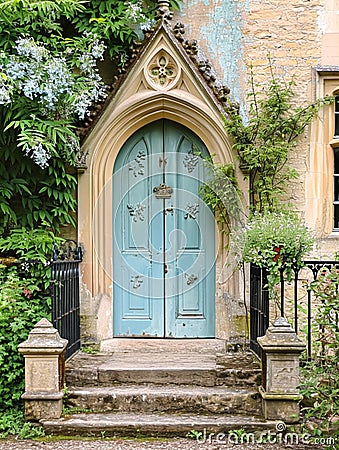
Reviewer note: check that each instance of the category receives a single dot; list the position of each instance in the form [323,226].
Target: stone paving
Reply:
[122,444]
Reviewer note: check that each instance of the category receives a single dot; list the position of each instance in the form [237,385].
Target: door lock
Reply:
[165,268]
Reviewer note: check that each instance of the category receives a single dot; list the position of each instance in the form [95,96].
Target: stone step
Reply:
[104,369]
[147,425]
[158,345]
[241,369]
[166,399]
[157,368]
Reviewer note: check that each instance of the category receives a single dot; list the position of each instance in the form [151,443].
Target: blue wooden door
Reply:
[164,237]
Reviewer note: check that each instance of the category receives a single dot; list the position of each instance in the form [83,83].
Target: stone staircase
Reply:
[161,388]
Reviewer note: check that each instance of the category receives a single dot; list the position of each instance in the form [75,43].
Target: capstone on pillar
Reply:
[44,359]
[280,393]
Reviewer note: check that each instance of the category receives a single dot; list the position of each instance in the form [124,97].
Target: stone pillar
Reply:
[44,361]
[281,350]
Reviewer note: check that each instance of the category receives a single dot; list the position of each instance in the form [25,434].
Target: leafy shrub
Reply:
[24,300]
[274,240]
[13,423]
[320,386]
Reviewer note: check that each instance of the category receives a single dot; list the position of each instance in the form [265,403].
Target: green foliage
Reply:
[221,193]
[275,240]
[24,299]
[42,19]
[13,423]
[48,67]
[264,143]
[31,197]
[115,22]
[321,382]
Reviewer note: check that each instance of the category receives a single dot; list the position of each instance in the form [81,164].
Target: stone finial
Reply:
[164,12]
[280,337]
[163,4]
[281,322]
[43,336]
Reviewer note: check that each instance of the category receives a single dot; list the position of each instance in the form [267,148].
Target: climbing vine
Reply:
[221,192]
[264,141]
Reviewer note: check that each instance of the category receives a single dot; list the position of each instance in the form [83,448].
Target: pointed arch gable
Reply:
[186,101]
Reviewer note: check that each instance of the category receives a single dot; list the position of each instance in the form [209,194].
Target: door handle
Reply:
[165,268]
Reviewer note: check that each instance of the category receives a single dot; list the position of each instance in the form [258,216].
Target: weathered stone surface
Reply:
[167,399]
[152,424]
[238,369]
[169,390]
[280,392]
[43,352]
[157,368]
[174,367]
[36,410]
[186,346]
[288,410]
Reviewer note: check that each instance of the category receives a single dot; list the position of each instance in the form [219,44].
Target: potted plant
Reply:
[275,240]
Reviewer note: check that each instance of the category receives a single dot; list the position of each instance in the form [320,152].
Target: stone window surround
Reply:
[321,161]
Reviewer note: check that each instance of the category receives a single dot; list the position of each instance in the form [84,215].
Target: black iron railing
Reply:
[65,294]
[296,301]
[259,306]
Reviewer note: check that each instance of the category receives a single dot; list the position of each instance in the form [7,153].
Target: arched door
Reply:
[164,236]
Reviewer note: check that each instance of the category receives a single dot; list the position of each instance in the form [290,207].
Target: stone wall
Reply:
[299,35]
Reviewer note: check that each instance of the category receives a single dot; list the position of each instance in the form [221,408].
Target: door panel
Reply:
[164,248]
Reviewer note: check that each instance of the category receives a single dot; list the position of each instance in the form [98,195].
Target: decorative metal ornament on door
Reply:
[164,237]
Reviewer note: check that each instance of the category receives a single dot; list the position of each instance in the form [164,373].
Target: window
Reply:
[323,203]
[336,188]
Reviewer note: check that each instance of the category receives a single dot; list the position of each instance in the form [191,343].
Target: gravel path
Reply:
[120,444]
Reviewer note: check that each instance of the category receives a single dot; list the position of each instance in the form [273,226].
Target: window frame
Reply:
[327,83]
